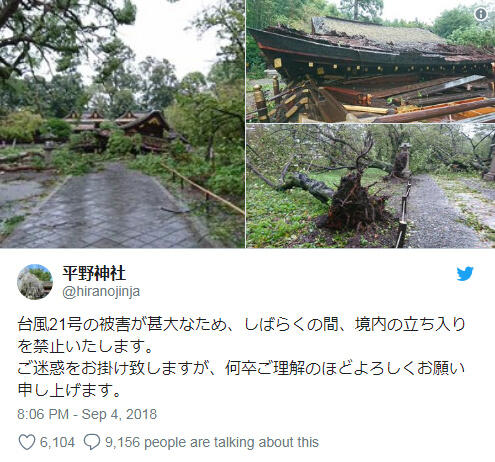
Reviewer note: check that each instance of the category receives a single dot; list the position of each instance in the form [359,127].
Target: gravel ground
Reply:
[481,186]
[435,220]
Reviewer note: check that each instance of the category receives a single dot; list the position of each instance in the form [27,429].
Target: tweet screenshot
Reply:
[247,230]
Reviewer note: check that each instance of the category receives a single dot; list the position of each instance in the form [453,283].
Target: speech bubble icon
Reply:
[92,440]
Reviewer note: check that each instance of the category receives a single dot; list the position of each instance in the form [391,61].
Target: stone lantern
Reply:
[49,146]
[490,176]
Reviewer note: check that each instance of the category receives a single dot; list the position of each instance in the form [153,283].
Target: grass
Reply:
[286,219]
[9,224]
[453,188]
[73,163]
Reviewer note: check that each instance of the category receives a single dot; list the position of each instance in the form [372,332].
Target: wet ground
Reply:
[112,208]
[21,191]
[446,213]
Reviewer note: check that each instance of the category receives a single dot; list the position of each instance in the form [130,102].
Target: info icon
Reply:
[481,14]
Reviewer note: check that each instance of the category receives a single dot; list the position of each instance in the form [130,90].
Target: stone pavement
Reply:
[114,208]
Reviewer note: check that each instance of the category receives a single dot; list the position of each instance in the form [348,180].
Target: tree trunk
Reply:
[317,189]
[385,166]
[12,159]
[356,10]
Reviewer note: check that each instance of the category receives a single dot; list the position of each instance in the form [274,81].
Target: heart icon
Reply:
[27,441]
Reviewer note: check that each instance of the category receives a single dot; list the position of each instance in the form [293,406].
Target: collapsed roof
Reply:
[375,32]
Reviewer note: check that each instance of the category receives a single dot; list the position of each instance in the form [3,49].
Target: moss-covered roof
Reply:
[375,32]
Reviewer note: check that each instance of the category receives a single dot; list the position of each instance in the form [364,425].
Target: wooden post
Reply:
[404,207]
[401,235]
[207,198]
[259,99]
[276,89]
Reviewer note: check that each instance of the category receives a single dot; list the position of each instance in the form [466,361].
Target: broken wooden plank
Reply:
[292,111]
[438,88]
[480,119]
[330,109]
[424,114]
[347,95]
[409,88]
[445,98]
[304,119]
[374,110]
[403,109]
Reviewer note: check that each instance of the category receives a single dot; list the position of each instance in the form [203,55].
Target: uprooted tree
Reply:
[352,206]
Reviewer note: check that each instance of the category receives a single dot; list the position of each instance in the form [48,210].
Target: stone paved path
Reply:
[113,208]
[436,220]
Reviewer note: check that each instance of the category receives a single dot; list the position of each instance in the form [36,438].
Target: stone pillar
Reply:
[407,171]
[490,176]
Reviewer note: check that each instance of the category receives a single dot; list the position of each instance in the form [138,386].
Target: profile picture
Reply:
[34,282]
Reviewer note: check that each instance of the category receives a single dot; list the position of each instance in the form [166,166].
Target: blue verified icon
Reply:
[466,274]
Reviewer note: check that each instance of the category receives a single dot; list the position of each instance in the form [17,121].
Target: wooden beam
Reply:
[445,98]
[374,110]
[408,88]
[431,90]
[425,114]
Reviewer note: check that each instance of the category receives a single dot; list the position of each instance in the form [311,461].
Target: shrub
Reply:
[177,147]
[81,141]
[120,145]
[72,163]
[59,128]
[21,126]
[254,59]
[474,35]
[228,180]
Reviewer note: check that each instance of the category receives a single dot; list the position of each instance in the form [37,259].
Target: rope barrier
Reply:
[206,191]
[401,233]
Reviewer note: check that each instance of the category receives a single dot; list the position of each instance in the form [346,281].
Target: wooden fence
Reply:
[401,233]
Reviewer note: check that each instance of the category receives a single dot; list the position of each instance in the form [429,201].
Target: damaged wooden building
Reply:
[352,71]
[155,131]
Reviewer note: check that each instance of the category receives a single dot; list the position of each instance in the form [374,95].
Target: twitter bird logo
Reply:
[466,274]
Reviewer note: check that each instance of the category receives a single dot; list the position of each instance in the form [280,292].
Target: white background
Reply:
[355,418]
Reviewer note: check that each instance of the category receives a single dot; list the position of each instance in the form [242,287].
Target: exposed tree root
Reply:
[353,207]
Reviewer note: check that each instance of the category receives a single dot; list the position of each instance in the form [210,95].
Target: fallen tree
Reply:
[24,155]
[11,163]
[351,204]
[316,188]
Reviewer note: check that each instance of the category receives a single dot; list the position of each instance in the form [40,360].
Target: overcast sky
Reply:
[424,10]
[159,32]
